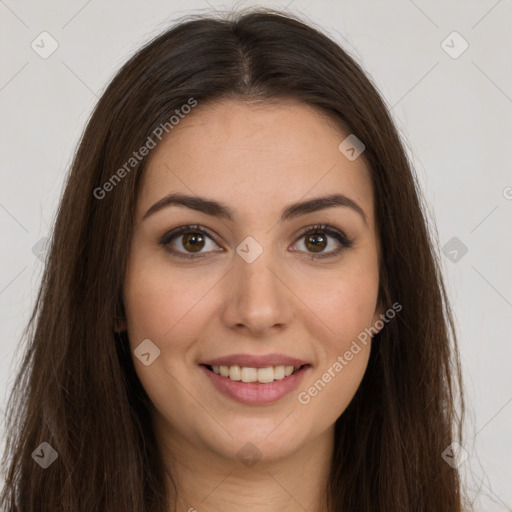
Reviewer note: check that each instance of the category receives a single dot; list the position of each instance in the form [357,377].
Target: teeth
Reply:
[279,372]
[235,372]
[249,374]
[262,375]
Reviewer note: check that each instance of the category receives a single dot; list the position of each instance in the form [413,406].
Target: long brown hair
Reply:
[77,388]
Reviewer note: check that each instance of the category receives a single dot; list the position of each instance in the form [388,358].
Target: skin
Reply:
[257,160]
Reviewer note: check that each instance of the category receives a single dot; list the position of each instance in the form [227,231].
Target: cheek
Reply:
[347,314]
[329,392]
[159,289]
[162,305]
[346,305]
[346,302]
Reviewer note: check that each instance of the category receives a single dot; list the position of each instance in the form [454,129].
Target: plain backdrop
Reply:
[452,105]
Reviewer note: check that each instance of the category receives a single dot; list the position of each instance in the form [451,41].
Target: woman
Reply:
[242,307]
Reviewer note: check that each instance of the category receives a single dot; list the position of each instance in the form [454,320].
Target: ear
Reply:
[379,312]
[120,325]
[120,318]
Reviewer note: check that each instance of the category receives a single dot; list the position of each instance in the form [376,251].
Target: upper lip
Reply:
[252,361]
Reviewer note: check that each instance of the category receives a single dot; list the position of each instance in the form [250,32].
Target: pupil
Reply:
[196,242]
[318,242]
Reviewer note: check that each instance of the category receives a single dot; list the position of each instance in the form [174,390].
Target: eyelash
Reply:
[345,242]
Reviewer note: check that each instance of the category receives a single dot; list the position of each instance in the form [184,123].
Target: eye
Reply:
[193,239]
[190,240]
[316,240]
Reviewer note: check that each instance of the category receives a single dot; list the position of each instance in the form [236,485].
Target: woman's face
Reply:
[252,285]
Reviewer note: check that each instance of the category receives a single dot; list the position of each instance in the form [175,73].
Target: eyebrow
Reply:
[220,210]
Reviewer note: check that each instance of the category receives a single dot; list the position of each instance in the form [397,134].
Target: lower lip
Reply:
[253,393]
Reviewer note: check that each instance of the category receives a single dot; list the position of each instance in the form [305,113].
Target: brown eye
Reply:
[316,242]
[189,242]
[193,242]
[319,238]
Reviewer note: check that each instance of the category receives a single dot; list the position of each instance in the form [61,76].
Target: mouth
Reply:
[255,386]
[247,374]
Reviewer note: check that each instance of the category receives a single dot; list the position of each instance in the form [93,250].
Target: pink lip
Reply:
[255,393]
[251,361]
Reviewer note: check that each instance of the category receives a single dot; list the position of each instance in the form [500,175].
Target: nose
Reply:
[258,299]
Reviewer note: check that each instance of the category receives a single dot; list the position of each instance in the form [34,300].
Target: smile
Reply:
[255,386]
[249,374]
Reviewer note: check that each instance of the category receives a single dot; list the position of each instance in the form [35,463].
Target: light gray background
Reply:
[455,115]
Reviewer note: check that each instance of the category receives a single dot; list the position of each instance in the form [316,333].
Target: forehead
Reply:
[254,156]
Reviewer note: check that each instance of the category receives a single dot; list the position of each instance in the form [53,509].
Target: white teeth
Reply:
[279,372]
[262,375]
[249,374]
[266,374]
[235,372]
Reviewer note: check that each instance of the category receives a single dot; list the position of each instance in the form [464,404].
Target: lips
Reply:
[255,393]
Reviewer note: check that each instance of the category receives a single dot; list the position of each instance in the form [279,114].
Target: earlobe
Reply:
[378,316]
[119,324]
[120,318]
